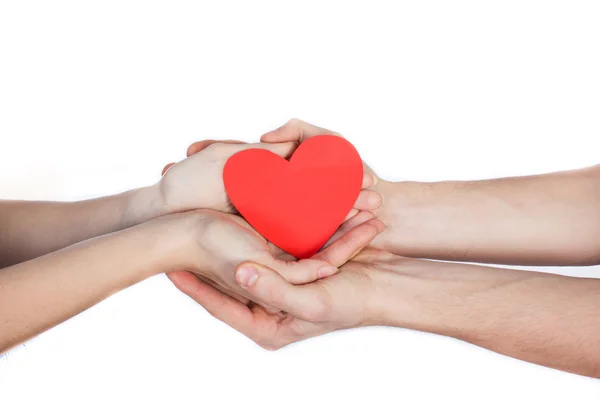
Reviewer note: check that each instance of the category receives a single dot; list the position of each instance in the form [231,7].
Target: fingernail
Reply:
[246,275]
[374,200]
[324,272]
[380,225]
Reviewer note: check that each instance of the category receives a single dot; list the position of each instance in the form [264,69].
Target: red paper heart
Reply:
[298,204]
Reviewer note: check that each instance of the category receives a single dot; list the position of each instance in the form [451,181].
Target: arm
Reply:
[546,319]
[29,229]
[32,229]
[541,318]
[551,219]
[38,294]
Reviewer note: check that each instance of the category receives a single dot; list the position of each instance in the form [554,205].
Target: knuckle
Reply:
[293,122]
[218,148]
[274,296]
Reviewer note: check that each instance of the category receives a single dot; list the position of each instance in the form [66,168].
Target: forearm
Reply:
[545,319]
[30,229]
[551,219]
[39,294]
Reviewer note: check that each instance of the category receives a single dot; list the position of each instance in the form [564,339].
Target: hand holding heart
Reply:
[213,244]
[229,240]
[196,182]
[351,298]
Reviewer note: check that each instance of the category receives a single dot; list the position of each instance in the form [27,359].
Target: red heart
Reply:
[296,205]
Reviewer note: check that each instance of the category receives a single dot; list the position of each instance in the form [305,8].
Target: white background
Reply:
[95,97]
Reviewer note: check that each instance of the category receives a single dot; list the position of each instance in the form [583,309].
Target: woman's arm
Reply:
[38,294]
[29,229]
[32,229]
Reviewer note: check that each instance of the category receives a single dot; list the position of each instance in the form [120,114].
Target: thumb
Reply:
[268,287]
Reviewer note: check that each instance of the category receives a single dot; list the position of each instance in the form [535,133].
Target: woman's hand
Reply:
[216,243]
[200,181]
[351,298]
[197,181]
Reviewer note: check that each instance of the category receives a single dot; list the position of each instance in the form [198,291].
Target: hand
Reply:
[217,243]
[364,202]
[372,199]
[197,181]
[353,297]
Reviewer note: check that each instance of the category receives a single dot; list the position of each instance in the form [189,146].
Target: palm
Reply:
[337,302]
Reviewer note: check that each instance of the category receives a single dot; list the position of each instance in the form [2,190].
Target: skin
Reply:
[547,319]
[59,259]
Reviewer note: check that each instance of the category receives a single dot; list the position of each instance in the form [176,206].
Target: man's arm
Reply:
[546,319]
[542,318]
[551,219]
[29,229]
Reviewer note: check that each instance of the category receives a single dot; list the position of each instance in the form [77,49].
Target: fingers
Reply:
[225,291]
[351,242]
[368,181]
[284,150]
[356,220]
[351,214]
[268,287]
[214,301]
[166,168]
[368,200]
[364,228]
[296,131]
[197,147]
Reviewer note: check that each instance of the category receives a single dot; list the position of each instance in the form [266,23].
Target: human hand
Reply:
[362,203]
[355,296]
[216,243]
[379,196]
[197,181]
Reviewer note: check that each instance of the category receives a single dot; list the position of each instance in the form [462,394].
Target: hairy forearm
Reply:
[39,294]
[29,229]
[546,319]
[551,219]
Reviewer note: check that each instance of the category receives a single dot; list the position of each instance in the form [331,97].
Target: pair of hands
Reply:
[217,276]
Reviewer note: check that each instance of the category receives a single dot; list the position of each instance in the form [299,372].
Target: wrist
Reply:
[417,294]
[142,205]
[176,241]
[401,211]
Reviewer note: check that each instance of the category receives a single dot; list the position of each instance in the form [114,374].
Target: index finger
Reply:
[197,147]
[295,130]
[350,243]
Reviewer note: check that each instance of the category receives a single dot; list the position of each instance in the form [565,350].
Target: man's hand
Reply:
[542,318]
[346,299]
[216,243]
[376,198]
